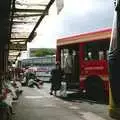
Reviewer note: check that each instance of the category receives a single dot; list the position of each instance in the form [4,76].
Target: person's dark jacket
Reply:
[56,78]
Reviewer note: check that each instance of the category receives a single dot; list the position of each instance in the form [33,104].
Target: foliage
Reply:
[43,52]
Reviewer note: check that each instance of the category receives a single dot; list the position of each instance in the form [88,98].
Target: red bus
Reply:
[89,64]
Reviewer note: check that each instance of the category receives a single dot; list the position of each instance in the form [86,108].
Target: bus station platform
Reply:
[37,104]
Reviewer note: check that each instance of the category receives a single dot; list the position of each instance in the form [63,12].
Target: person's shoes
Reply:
[51,93]
[13,113]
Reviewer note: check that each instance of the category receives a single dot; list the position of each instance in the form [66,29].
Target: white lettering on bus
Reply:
[94,68]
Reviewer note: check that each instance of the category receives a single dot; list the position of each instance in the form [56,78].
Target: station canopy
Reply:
[25,17]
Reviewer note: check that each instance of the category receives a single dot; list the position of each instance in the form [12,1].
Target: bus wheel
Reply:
[95,88]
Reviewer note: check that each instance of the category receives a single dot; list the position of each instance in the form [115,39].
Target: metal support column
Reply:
[114,65]
[5,6]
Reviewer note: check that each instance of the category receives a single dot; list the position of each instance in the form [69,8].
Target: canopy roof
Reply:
[25,17]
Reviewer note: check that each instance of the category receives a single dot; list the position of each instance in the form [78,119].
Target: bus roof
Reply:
[85,37]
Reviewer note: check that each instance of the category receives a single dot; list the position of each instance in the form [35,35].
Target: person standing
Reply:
[68,70]
[56,77]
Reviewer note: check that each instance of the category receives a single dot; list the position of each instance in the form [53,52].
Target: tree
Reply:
[43,52]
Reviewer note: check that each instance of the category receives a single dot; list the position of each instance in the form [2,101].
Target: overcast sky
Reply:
[77,16]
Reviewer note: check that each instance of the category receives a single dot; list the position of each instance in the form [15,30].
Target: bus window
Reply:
[89,55]
[101,55]
[64,53]
[96,50]
[92,55]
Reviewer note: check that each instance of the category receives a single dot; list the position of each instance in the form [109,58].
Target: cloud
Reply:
[78,16]
[85,16]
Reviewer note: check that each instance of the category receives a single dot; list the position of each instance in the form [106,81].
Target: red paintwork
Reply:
[94,67]
[91,67]
[84,34]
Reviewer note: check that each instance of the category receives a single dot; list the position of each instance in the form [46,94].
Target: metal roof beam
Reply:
[11,16]
[24,22]
[28,10]
[17,38]
[39,21]
[29,15]
[30,4]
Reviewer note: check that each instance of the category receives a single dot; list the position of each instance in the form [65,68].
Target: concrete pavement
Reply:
[37,104]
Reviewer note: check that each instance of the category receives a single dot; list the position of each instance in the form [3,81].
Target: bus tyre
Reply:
[95,88]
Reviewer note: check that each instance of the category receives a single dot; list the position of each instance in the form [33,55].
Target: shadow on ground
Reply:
[78,97]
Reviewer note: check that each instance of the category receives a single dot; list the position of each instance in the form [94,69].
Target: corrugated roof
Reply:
[26,15]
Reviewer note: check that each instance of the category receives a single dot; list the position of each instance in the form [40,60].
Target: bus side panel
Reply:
[92,68]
